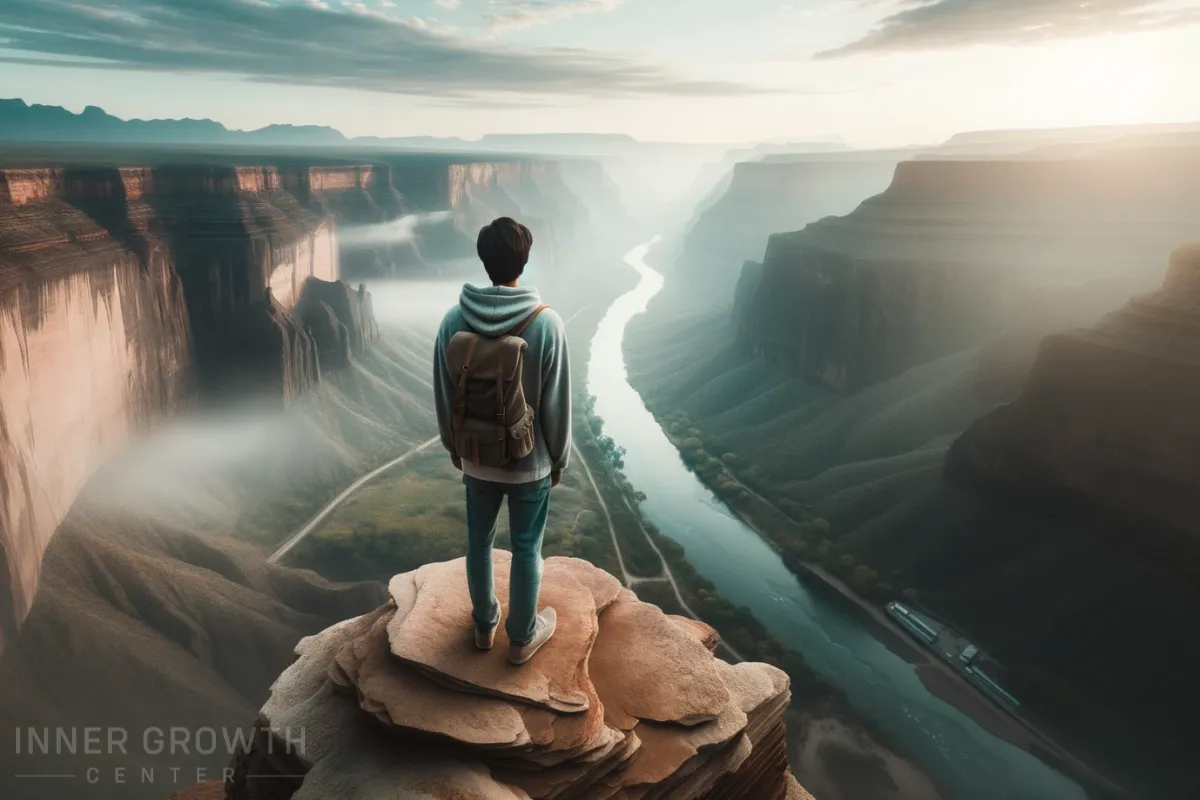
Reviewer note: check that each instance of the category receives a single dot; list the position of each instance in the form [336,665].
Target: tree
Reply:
[822,525]
[612,451]
[863,578]
[791,508]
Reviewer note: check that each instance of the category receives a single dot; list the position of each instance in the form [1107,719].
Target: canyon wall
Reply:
[764,197]
[1107,420]
[93,346]
[127,293]
[407,212]
[956,252]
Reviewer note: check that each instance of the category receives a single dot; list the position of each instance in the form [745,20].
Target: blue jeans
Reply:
[528,504]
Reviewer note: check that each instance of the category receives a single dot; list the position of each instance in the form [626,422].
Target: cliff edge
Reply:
[1107,418]
[624,702]
[954,253]
[128,292]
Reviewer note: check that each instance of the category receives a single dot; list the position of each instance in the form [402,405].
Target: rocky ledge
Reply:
[624,702]
[1107,420]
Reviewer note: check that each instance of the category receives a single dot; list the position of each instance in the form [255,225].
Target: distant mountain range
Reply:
[20,121]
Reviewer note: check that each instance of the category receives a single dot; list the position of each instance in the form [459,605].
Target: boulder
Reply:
[624,702]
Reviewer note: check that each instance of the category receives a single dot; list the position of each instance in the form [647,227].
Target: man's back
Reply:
[495,311]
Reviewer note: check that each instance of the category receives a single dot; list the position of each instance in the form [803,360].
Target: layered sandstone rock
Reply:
[1108,417]
[955,252]
[125,293]
[623,702]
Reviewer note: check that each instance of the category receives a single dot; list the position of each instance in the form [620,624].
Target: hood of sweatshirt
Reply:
[496,310]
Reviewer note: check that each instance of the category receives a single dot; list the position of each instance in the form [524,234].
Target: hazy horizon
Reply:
[876,72]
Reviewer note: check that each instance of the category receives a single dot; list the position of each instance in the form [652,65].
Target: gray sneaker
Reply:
[543,630]
[485,639]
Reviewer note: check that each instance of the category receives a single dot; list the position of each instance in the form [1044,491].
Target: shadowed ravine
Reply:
[966,759]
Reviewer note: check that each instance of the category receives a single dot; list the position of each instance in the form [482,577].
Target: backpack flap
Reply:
[487,373]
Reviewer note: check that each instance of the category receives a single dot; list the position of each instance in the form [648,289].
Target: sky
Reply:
[875,72]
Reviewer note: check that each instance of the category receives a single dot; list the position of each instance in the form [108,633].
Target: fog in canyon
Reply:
[810,381]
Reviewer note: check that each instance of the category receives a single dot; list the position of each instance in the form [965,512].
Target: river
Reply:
[967,760]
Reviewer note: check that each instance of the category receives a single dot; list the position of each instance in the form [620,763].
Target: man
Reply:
[492,312]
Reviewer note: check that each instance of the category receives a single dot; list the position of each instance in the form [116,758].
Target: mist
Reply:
[397,231]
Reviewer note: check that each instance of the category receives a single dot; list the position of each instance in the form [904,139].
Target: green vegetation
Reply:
[418,516]
[738,626]
[605,459]
[742,631]
[802,539]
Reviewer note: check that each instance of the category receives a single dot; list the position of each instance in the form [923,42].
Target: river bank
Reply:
[673,583]
[942,681]
[725,475]
[840,764]
[834,636]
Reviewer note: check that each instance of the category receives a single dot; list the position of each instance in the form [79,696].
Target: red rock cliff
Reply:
[125,293]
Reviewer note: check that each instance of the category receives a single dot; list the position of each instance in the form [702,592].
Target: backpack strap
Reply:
[460,396]
[517,331]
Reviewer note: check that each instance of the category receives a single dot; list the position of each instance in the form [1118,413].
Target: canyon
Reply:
[136,284]
[954,381]
[955,252]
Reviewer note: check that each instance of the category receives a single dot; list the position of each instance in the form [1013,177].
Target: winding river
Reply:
[966,759]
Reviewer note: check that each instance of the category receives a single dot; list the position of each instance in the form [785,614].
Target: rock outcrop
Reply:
[1108,417]
[956,252]
[624,702]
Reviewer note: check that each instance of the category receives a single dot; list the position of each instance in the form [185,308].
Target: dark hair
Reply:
[503,248]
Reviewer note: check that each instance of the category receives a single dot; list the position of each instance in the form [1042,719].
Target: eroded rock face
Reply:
[128,292]
[1108,417]
[956,252]
[769,196]
[623,702]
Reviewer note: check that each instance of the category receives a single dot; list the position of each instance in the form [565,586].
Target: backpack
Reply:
[493,425]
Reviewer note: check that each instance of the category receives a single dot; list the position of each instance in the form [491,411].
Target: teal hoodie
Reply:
[492,311]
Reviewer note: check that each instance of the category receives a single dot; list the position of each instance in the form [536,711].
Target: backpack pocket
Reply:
[520,436]
[482,442]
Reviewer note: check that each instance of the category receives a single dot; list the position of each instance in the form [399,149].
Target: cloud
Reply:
[939,24]
[516,14]
[301,43]
[449,5]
